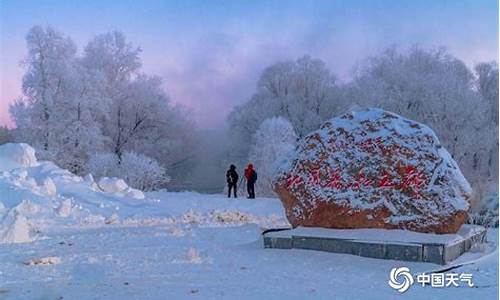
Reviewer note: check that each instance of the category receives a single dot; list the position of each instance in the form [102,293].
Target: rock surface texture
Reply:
[371,168]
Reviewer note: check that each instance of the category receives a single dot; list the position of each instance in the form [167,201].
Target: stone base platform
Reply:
[379,243]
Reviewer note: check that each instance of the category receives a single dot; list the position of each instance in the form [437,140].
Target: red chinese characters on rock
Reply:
[293,180]
[411,180]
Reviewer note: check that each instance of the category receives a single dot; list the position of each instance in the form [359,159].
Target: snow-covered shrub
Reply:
[486,214]
[139,171]
[143,172]
[274,140]
[103,165]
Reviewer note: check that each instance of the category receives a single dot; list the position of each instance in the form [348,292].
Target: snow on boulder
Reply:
[13,156]
[373,169]
[119,187]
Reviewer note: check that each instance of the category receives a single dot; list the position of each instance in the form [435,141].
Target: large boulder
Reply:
[371,168]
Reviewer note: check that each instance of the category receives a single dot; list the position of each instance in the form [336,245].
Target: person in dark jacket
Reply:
[232,181]
[251,177]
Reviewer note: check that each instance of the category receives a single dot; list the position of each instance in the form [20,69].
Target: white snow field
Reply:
[63,237]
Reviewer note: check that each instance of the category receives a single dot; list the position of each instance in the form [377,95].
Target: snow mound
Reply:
[15,228]
[44,261]
[13,156]
[119,187]
[38,198]
[112,184]
[41,195]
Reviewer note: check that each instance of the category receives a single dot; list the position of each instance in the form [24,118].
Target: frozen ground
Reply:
[62,237]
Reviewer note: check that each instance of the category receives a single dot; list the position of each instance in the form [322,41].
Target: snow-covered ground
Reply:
[63,237]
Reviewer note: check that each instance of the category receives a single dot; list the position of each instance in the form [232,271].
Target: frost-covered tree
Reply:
[435,88]
[486,160]
[47,82]
[115,58]
[79,116]
[117,61]
[74,107]
[487,85]
[56,114]
[102,165]
[296,90]
[140,117]
[273,142]
[302,91]
[430,86]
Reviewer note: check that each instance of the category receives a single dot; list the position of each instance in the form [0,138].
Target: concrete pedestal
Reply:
[380,243]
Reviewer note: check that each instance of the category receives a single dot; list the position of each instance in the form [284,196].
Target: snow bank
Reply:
[13,156]
[15,228]
[41,195]
[40,199]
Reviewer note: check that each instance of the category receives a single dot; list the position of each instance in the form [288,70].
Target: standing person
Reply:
[251,177]
[232,181]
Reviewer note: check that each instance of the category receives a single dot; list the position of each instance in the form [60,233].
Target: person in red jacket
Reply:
[251,177]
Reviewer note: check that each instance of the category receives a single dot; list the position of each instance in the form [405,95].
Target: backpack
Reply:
[254,176]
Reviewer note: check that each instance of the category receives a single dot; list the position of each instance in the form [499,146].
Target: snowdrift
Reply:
[13,156]
[37,198]
[35,195]
[118,187]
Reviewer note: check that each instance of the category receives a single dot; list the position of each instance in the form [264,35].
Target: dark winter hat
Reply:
[232,167]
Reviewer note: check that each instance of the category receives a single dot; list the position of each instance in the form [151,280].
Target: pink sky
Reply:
[210,54]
